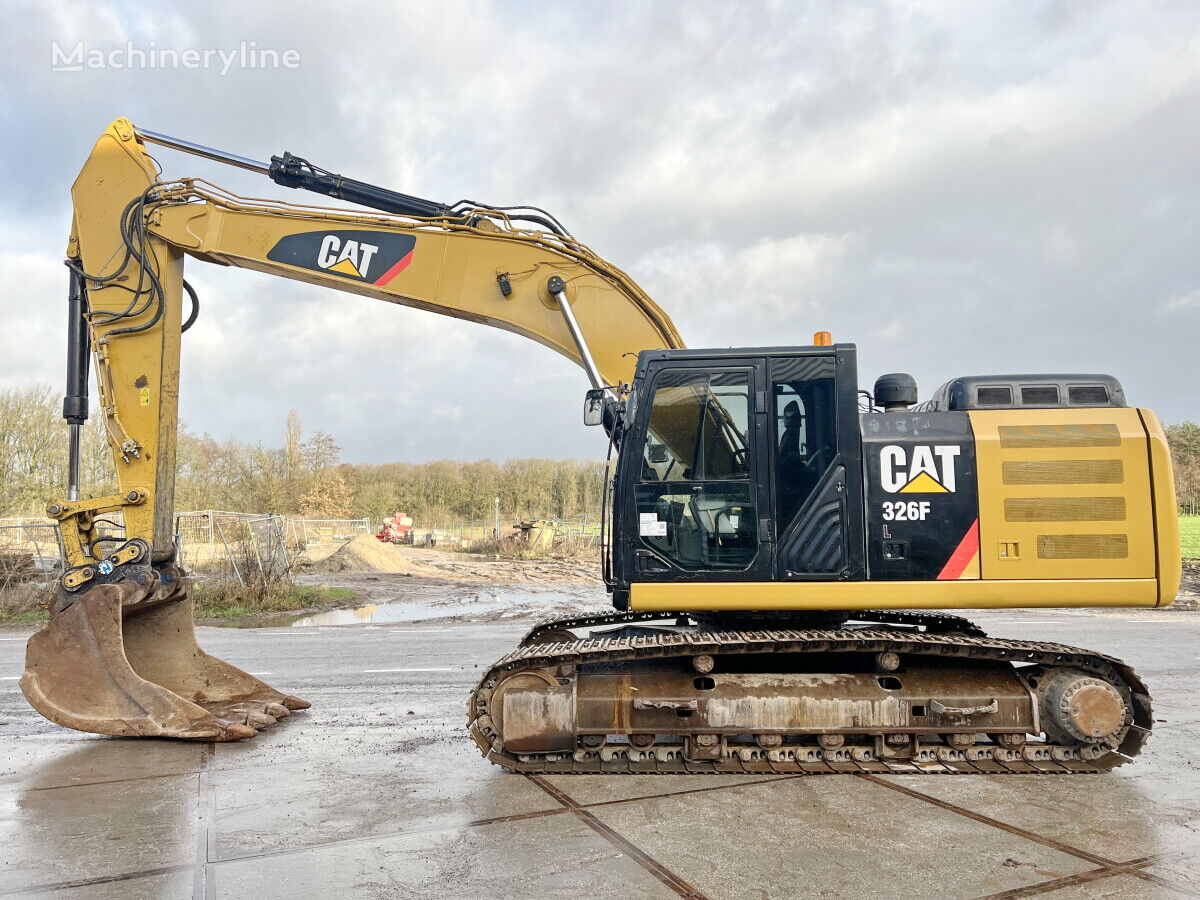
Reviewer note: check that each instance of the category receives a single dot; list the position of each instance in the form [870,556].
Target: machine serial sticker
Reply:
[649,525]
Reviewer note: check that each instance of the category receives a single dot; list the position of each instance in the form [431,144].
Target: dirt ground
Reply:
[1189,589]
[366,554]
[399,584]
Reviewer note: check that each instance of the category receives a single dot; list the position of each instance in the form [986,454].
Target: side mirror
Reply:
[593,407]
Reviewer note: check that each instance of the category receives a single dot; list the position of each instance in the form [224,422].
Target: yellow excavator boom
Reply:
[119,655]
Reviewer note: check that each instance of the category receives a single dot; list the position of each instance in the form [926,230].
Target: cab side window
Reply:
[695,498]
[805,428]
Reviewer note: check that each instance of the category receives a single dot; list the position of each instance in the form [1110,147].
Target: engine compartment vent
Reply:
[1045,437]
[991,395]
[1083,546]
[1039,395]
[1087,395]
[1063,495]
[1026,392]
[1064,509]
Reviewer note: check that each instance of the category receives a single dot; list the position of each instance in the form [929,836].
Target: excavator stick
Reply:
[119,655]
[122,659]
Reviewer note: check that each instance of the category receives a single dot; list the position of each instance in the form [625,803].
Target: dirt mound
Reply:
[365,553]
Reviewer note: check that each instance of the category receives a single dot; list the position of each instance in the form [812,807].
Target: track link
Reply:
[940,623]
[1034,758]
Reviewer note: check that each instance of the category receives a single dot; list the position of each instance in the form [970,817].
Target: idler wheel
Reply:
[1079,707]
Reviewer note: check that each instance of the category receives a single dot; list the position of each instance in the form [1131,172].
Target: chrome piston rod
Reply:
[558,290]
[174,143]
[74,438]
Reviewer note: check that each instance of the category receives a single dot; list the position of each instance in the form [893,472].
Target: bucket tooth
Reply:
[107,665]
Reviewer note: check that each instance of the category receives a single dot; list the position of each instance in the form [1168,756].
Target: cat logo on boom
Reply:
[350,257]
[930,470]
[372,256]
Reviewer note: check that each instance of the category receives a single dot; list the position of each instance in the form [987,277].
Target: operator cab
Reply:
[740,465]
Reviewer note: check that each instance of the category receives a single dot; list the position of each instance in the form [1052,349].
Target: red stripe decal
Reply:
[396,269]
[962,556]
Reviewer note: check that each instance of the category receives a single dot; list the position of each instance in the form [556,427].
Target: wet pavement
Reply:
[377,792]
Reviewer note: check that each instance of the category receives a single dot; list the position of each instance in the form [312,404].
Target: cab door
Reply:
[816,465]
[701,506]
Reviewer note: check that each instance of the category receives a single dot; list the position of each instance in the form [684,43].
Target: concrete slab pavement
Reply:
[377,792]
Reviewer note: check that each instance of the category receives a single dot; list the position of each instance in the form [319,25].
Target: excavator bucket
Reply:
[123,660]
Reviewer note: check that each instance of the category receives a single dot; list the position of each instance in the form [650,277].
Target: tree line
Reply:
[1185,455]
[306,477]
[302,477]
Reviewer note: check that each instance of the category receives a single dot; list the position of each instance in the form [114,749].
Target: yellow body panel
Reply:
[965,594]
[1064,493]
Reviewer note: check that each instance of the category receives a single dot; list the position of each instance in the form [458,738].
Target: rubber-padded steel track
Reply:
[1035,757]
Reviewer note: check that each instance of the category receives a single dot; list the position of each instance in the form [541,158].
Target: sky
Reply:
[956,188]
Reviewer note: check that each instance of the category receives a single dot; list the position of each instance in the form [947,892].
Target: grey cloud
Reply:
[958,189]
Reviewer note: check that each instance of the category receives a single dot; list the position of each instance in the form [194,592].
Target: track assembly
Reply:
[886,692]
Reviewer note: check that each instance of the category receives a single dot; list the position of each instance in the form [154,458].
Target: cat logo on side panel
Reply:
[929,469]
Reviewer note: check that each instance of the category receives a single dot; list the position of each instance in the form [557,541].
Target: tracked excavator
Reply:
[780,545]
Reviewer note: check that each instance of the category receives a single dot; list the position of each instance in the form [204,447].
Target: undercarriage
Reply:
[879,691]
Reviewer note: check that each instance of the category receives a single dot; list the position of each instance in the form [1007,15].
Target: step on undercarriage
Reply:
[883,692]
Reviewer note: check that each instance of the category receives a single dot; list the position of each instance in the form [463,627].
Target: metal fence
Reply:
[248,545]
[581,531]
[40,538]
[266,539]
[255,546]
[302,532]
[252,546]
[202,526]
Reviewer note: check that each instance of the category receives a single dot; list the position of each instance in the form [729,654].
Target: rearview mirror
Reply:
[593,407]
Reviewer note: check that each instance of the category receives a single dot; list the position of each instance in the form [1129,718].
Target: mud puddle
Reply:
[499,603]
[401,598]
